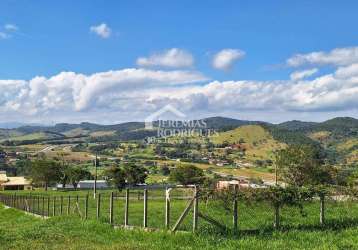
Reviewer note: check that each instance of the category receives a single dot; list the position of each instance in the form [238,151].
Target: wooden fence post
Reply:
[86,207]
[54,206]
[126,208]
[322,209]
[196,209]
[167,208]
[43,206]
[111,209]
[68,204]
[98,210]
[61,205]
[48,206]
[29,201]
[38,205]
[277,216]
[235,210]
[145,208]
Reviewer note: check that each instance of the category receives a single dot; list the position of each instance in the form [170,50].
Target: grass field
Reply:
[259,142]
[20,231]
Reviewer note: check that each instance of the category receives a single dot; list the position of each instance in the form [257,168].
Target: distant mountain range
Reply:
[339,135]
[12,125]
[340,126]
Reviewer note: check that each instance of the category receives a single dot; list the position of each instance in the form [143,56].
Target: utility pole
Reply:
[276,175]
[95,178]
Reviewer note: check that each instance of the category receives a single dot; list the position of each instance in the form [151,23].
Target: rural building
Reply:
[14,183]
[242,183]
[86,184]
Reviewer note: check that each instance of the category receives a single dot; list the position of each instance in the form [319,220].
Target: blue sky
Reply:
[50,37]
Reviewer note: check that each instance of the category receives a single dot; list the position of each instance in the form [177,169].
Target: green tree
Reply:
[134,174]
[129,174]
[164,170]
[77,174]
[23,167]
[187,174]
[301,165]
[45,172]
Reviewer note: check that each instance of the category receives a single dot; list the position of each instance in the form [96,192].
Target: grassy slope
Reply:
[350,149]
[33,136]
[258,141]
[20,231]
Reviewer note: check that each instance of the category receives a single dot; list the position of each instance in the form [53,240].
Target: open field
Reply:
[261,173]
[257,216]
[20,231]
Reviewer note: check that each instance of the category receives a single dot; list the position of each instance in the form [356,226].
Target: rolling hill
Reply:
[338,135]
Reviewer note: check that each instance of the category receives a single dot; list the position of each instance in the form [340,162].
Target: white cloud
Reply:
[132,94]
[11,27]
[101,30]
[339,56]
[73,92]
[174,58]
[225,58]
[327,93]
[301,74]
[348,71]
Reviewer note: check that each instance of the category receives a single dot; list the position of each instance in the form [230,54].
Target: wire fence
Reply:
[186,209]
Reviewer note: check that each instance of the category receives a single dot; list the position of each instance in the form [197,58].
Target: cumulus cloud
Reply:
[301,74]
[132,94]
[326,93]
[102,30]
[225,58]
[337,57]
[173,58]
[73,92]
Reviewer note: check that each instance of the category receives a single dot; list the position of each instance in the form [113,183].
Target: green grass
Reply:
[33,136]
[20,231]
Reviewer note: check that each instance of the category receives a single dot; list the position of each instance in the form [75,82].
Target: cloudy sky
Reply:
[116,61]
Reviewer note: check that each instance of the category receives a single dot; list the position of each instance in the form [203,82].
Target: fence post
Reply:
[196,209]
[111,209]
[61,205]
[54,206]
[145,207]
[322,209]
[43,206]
[98,211]
[235,210]
[38,205]
[277,216]
[68,204]
[167,208]
[48,206]
[29,202]
[126,208]
[86,207]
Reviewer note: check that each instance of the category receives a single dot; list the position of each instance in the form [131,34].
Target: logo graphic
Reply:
[179,127]
[155,116]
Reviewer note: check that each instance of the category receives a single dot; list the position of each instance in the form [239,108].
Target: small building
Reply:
[88,184]
[227,184]
[14,183]
[241,183]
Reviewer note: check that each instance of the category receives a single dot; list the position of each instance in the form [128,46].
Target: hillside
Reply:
[257,141]
[259,137]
